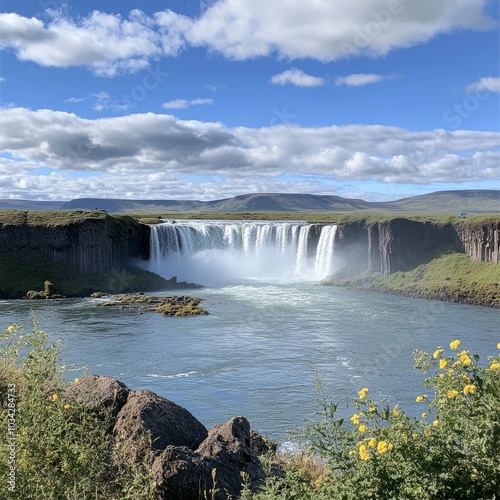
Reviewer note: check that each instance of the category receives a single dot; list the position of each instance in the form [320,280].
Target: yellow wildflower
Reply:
[76,380]
[421,398]
[396,411]
[55,397]
[355,419]
[498,345]
[362,393]
[466,379]
[469,389]
[451,372]
[11,328]
[465,358]
[452,393]
[443,363]
[372,409]
[495,366]
[362,428]
[427,432]
[441,375]
[435,423]
[455,345]
[372,442]
[424,415]
[383,447]
[438,352]
[67,407]
[351,453]
[364,453]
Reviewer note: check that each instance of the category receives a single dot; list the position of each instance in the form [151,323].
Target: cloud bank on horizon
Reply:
[359,98]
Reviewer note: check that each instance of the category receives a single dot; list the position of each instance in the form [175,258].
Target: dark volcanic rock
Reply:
[182,474]
[104,395]
[229,445]
[215,470]
[168,424]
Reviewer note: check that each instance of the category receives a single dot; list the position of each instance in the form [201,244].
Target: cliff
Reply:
[90,243]
[451,261]
[79,252]
[481,241]
[401,244]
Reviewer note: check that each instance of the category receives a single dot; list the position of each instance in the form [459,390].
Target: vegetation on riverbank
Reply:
[53,447]
[50,447]
[451,277]
[450,452]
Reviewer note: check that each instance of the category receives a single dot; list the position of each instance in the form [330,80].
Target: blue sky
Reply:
[377,99]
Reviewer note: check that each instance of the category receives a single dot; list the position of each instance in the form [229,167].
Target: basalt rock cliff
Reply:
[90,246]
[65,246]
[401,244]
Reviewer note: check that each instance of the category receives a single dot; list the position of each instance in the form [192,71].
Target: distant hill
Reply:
[470,201]
[30,205]
[121,206]
[474,200]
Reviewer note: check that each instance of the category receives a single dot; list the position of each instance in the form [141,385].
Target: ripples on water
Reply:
[255,354]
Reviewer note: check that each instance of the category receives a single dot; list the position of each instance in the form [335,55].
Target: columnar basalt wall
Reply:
[401,244]
[481,242]
[90,247]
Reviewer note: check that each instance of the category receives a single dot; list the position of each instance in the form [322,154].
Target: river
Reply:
[256,353]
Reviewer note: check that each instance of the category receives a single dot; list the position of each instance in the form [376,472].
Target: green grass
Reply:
[116,225]
[321,217]
[55,218]
[451,277]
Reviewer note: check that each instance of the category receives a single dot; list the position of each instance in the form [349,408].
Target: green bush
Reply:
[452,451]
[54,448]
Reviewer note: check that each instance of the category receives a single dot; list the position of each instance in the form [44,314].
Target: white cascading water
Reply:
[216,252]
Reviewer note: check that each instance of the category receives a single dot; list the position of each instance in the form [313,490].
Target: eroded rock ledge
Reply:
[185,460]
[168,306]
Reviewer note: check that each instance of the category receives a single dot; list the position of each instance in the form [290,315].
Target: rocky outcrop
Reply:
[184,459]
[148,423]
[103,396]
[215,470]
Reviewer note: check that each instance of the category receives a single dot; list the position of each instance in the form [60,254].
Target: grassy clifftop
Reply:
[320,217]
[55,218]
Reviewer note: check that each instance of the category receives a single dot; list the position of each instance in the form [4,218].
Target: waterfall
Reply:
[324,254]
[214,252]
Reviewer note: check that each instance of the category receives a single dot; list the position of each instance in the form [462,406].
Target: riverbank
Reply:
[451,277]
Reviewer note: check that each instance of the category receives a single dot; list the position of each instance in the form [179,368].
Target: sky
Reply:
[208,99]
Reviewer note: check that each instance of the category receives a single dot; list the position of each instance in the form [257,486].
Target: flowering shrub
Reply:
[452,451]
[51,448]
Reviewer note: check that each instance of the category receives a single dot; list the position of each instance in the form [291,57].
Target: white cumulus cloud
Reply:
[488,83]
[325,30]
[129,155]
[185,103]
[298,78]
[362,79]
[328,30]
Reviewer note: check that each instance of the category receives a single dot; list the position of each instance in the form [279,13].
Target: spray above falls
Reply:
[217,252]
